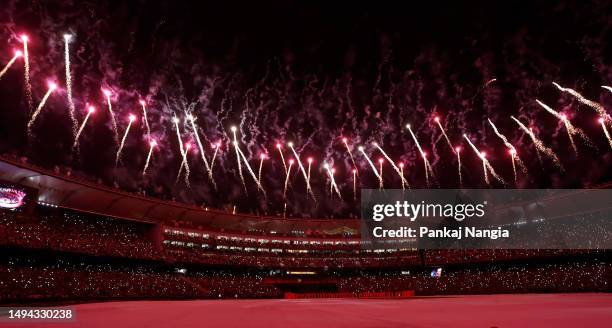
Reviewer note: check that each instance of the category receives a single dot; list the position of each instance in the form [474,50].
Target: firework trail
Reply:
[540,147]
[127,130]
[288,173]
[249,168]
[182,149]
[90,110]
[26,71]
[152,145]
[143,104]
[235,143]
[514,157]
[437,120]
[308,174]
[596,106]
[355,184]
[397,169]
[458,152]
[71,108]
[278,146]
[605,130]
[428,168]
[107,94]
[212,162]
[297,157]
[512,150]
[348,149]
[374,169]
[330,172]
[11,62]
[261,160]
[197,137]
[380,172]
[485,164]
[571,130]
[184,164]
[52,87]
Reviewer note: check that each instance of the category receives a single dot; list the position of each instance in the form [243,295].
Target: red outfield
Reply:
[535,310]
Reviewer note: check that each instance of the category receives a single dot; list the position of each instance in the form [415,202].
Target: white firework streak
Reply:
[197,137]
[333,181]
[39,108]
[444,134]
[260,167]
[282,158]
[235,143]
[392,164]
[571,130]
[287,181]
[354,184]
[180,141]
[605,130]
[348,149]
[144,113]
[184,164]
[144,170]
[9,64]
[113,120]
[71,108]
[458,152]
[374,169]
[485,163]
[76,139]
[127,130]
[539,145]
[249,169]
[428,168]
[297,157]
[308,174]
[26,73]
[595,105]
[512,149]
[380,185]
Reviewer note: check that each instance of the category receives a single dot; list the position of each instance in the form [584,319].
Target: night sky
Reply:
[311,73]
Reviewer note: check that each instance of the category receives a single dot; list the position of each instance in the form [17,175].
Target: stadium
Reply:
[185,164]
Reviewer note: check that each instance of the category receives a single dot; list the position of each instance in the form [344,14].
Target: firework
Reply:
[235,143]
[71,108]
[107,94]
[516,160]
[458,152]
[330,172]
[262,157]
[539,145]
[280,151]
[571,129]
[596,106]
[348,149]
[127,130]
[26,71]
[355,184]
[249,168]
[308,173]
[182,149]
[602,122]
[216,146]
[52,87]
[143,104]
[297,157]
[374,169]
[397,169]
[152,144]
[288,173]
[428,168]
[437,120]
[185,165]
[197,137]
[380,173]
[11,62]
[487,168]
[90,110]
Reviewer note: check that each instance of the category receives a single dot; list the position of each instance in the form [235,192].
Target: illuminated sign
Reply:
[11,197]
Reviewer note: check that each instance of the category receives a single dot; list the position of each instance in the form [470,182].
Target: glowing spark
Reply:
[11,62]
[278,146]
[571,130]
[392,164]
[330,172]
[308,174]
[380,164]
[596,106]
[287,178]
[374,169]
[605,129]
[90,110]
[261,160]
[26,71]
[515,158]
[297,157]
[437,120]
[354,184]
[71,108]
[52,87]
[348,149]
[539,145]
[152,145]
[485,164]
[197,137]
[107,93]
[428,168]
[127,130]
[235,143]
[143,104]
[182,149]
[458,152]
